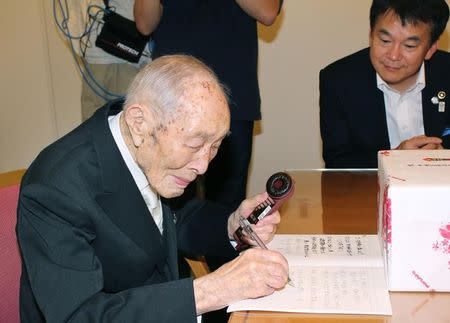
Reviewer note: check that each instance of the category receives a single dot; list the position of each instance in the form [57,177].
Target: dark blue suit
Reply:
[352,112]
[90,248]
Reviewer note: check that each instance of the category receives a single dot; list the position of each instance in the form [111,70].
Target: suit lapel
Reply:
[170,241]
[372,100]
[121,199]
[378,115]
[127,209]
[433,120]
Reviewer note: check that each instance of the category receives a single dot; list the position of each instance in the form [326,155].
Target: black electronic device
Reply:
[280,187]
[120,37]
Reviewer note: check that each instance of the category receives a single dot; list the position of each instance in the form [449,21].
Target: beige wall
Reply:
[40,86]
[27,117]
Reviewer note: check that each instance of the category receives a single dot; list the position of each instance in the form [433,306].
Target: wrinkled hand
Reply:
[265,228]
[421,142]
[254,273]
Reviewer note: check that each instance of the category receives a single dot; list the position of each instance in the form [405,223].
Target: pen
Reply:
[245,225]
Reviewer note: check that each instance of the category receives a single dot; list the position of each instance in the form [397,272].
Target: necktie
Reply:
[154,206]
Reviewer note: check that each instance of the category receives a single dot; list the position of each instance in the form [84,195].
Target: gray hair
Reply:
[162,84]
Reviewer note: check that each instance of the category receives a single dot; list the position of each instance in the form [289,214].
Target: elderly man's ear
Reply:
[139,121]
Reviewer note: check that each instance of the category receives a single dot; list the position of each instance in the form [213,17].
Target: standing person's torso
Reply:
[222,35]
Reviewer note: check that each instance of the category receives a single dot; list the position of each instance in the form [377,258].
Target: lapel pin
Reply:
[434,100]
[441,95]
[441,107]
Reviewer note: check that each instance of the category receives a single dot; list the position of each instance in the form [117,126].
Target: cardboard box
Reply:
[414,218]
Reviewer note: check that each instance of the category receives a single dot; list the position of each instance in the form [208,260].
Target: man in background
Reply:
[392,95]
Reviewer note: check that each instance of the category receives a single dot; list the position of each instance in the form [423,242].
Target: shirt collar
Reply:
[138,175]
[420,81]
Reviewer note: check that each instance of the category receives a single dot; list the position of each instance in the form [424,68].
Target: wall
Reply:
[40,86]
[27,120]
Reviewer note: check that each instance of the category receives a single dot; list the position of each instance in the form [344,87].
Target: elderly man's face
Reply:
[172,155]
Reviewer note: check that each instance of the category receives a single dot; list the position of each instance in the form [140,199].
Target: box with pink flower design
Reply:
[414,218]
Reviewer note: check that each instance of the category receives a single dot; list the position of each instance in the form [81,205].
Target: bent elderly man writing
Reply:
[100,245]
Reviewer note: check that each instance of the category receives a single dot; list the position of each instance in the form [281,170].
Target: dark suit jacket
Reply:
[90,248]
[352,112]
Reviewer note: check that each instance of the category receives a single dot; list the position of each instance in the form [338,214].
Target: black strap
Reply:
[106,2]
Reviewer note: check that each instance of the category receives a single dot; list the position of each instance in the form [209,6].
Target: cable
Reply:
[83,38]
[84,70]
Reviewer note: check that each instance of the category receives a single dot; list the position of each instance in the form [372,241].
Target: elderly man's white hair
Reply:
[162,84]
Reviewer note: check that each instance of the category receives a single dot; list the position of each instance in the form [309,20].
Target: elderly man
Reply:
[100,245]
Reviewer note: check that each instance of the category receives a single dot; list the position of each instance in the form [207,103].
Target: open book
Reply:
[331,273]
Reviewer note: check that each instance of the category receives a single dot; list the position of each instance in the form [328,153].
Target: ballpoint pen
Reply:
[245,225]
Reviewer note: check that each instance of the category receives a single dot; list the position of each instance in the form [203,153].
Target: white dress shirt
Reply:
[152,200]
[403,110]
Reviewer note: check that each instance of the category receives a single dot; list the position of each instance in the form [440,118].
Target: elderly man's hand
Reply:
[421,142]
[255,273]
[265,228]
